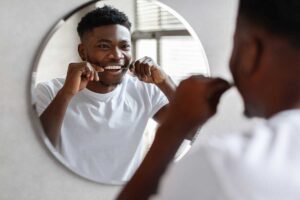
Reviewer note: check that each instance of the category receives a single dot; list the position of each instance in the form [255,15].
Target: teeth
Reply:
[112,67]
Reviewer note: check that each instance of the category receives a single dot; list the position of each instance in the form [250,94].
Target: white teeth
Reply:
[112,67]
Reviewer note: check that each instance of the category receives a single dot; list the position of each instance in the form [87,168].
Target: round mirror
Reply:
[95,105]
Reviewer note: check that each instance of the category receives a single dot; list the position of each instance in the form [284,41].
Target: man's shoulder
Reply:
[241,163]
[259,142]
[51,86]
[53,83]
[133,82]
[131,79]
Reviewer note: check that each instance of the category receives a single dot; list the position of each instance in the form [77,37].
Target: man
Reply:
[262,163]
[96,116]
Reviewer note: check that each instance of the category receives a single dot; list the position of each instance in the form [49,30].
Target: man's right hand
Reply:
[78,76]
[195,101]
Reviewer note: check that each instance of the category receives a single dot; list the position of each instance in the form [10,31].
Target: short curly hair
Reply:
[106,15]
[281,17]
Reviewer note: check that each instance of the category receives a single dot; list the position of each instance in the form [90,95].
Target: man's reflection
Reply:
[96,116]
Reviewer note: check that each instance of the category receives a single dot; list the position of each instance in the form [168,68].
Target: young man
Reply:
[96,116]
[262,163]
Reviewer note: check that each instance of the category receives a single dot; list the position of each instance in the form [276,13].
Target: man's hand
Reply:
[78,76]
[195,101]
[148,71]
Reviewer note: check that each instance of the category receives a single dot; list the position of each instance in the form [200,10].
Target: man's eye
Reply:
[103,46]
[126,46]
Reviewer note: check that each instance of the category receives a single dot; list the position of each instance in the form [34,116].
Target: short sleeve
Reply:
[158,100]
[43,97]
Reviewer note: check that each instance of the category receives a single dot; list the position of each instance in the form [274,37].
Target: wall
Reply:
[27,169]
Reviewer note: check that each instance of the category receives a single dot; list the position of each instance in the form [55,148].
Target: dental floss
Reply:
[89,66]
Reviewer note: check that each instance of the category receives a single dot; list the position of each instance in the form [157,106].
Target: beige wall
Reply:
[27,169]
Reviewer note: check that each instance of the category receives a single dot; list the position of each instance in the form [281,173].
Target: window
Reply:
[161,36]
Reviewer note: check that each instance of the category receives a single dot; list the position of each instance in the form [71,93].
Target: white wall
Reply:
[27,169]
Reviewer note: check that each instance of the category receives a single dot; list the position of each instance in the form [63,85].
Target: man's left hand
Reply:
[148,71]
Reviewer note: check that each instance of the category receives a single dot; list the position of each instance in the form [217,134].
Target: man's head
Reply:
[265,60]
[106,41]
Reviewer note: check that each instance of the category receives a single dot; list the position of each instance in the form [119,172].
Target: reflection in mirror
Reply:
[100,95]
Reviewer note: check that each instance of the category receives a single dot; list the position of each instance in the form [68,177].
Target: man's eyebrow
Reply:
[104,40]
[125,41]
[109,41]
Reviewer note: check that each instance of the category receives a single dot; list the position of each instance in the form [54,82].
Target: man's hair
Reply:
[106,15]
[280,17]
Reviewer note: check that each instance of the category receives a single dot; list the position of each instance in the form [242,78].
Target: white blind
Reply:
[152,17]
[182,57]
[179,55]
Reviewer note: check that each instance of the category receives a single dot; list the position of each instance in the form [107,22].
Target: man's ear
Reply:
[251,56]
[81,52]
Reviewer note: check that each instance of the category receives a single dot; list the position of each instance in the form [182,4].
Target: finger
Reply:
[147,67]
[90,76]
[218,83]
[138,67]
[86,75]
[98,68]
[89,70]
[89,66]
[146,63]
[200,77]
[148,72]
[220,86]
[84,70]
[137,70]
[143,65]
[96,75]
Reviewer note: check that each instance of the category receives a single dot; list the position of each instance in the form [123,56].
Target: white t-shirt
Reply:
[101,133]
[262,164]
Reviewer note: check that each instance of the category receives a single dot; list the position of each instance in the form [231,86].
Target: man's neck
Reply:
[283,107]
[99,87]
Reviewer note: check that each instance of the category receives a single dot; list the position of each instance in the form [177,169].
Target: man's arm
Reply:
[194,103]
[145,181]
[53,116]
[79,74]
[149,72]
[168,87]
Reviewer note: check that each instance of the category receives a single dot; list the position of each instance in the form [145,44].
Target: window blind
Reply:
[150,16]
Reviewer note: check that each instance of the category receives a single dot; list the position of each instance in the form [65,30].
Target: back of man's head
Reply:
[106,15]
[267,55]
[280,17]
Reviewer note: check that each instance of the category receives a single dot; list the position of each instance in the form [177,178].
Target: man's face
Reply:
[109,47]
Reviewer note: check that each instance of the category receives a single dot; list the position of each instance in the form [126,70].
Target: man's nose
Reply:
[116,54]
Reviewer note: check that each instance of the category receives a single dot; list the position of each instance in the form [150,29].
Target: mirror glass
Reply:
[109,149]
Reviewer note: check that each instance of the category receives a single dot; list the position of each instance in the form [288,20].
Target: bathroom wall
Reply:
[27,170]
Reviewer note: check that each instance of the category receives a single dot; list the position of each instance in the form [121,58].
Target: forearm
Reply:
[53,116]
[168,87]
[145,181]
